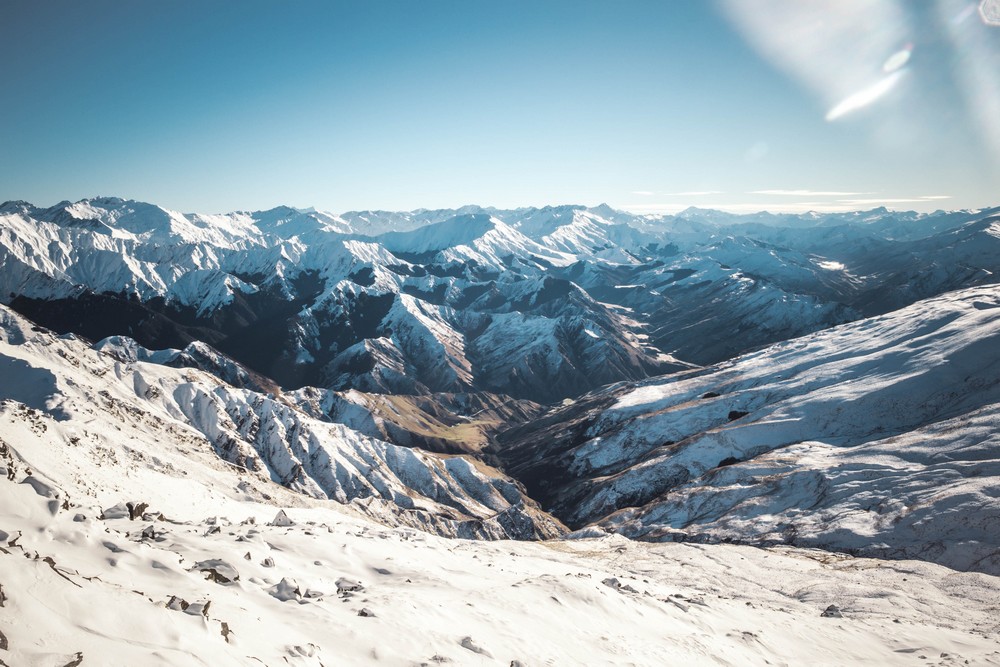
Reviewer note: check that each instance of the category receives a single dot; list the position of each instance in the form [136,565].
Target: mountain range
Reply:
[570,375]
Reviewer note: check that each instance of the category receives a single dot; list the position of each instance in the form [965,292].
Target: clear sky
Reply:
[647,105]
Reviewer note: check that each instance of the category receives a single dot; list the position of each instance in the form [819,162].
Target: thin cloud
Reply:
[693,193]
[808,193]
[743,207]
[644,193]
[784,207]
[842,205]
[877,200]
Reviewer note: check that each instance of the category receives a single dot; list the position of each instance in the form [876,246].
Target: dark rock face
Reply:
[537,453]
[252,330]
[135,510]
[97,316]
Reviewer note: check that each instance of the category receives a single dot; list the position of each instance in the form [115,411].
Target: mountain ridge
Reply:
[302,296]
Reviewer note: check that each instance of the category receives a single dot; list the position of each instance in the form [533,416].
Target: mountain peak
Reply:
[17,206]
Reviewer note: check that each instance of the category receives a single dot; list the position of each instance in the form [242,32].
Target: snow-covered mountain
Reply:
[878,437]
[541,304]
[118,395]
[440,330]
[304,299]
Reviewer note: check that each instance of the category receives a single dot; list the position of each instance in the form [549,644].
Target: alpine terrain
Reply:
[539,436]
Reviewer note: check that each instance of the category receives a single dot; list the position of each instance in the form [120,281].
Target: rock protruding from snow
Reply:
[218,571]
[286,590]
[281,519]
[470,644]
[833,611]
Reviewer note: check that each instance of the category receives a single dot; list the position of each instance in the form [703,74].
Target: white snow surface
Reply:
[225,567]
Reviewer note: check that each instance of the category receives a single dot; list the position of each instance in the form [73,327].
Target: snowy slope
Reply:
[877,437]
[124,407]
[221,566]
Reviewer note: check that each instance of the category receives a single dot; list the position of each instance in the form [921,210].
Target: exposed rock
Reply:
[345,585]
[177,604]
[217,570]
[119,511]
[196,608]
[48,560]
[612,582]
[77,659]
[135,510]
[471,645]
[833,611]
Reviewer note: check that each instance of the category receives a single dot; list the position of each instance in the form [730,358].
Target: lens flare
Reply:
[864,97]
[977,61]
[990,11]
[898,60]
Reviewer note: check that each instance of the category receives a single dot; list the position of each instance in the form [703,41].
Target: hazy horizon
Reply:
[744,209]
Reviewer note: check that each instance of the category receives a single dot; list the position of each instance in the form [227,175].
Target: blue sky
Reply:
[212,106]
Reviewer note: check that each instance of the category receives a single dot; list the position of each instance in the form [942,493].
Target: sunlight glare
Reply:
[897,60]
[864,97]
